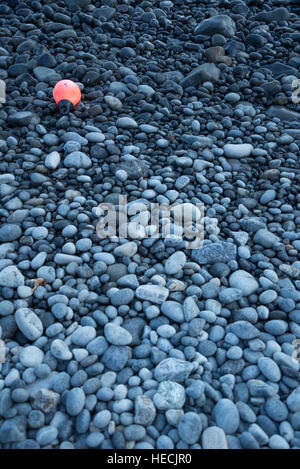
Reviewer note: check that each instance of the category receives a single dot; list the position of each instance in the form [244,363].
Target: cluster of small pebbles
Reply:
[139,342]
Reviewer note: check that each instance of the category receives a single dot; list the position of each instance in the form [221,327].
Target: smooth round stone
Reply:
[164,442]
[232,97]
[9,232]
[134,432]
[93,440]
[293,400]
[166,331]
[173,310]
[47,273]
[162,143]
[295,421]
[55,299]
[114,103]
[69,248]
[60,350]
[59,310]
[51,139]
[105,257]
[276,327]
[244,252]
[77,160]
[238,150]
[102,419]
[129,280]
[38,260]
[29,323]
[248,441]
[214,438]
[75,401]
[83,335]
[79,354]
[244,281]
[83,244]
[39,233]
[267,297]
[265,238]
[175,263]
[117,335]
[60,382]
[146,89]
[190,427]
[52,160]
[20,395]
[31,356]
[75,137]
[278,442]
[148,129]
[149,194]
[121,175]
[72,146]
[95,137]
[269,369]
[276,409]
[234,353]
[126,123]
[186,213]
[46,435]
[115,357]
[69,231]
[6,308]
[267,196]
[227,416]
[24,292]
[127,250]
[121,297]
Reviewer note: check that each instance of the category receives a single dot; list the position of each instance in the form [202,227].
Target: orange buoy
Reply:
[66,95]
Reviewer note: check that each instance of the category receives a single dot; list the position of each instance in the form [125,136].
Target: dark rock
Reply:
[277,15]
[206,72]
[219,24]
[22,118]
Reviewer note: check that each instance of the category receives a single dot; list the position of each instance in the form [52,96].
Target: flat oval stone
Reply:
[10,232]
[31,356]
[78,160]
[269,369]
[117,335]
[238,150]
[126,123]
[227,416]
[29,323]
[115,357]
[75,401]
[214,438]
[173,310]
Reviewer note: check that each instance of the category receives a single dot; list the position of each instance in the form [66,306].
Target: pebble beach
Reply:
[142,341]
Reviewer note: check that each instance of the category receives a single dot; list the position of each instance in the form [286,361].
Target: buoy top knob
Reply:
[66,94]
